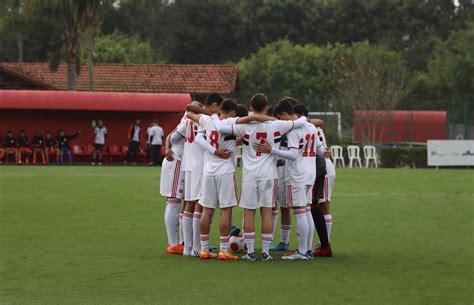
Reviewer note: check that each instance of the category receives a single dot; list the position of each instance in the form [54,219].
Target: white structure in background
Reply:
[450,152]
[337,155]
[370,154]
[321,115]
[354,155]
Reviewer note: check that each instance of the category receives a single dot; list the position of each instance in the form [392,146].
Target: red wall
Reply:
[117,123]
[406,126]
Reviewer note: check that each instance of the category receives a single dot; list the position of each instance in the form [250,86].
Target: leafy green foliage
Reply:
[407,156]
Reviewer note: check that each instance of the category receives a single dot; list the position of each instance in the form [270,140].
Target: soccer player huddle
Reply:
[286,164]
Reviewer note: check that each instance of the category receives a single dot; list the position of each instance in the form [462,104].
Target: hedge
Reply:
[415,157]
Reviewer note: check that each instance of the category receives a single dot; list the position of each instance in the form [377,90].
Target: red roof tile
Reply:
[192,79]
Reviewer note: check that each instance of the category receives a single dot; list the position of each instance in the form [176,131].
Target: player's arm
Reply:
[193,116]
[224,154]
[175,137]
[290,154]
[254,117]
[197,109]
[224,128]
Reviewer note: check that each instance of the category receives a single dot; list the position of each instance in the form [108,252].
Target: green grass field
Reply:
[89,235]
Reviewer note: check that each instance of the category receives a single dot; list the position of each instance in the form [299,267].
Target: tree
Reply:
[282,68]
[14,20]
[92,11]
[121,48]
[372,79]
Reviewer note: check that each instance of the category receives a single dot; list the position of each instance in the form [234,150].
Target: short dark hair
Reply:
[300,110]
[242,110]
[258,102]
[228,105]
[290,99]
[283,106]
[212,98]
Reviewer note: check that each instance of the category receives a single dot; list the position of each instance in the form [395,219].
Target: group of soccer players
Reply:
[286,163]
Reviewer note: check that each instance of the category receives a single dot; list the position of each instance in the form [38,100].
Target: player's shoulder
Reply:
[310,126]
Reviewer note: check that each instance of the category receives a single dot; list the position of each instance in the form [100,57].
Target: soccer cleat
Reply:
[178,249]
[195,253]
[226,256]
[265,257]
[281,247]
[92,163]
[207,255]
[323,251]
[295,256]
[249,257]
[187,252]
[234,231]
[309,254]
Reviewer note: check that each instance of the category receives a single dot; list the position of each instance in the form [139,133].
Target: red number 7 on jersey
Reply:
[262,136]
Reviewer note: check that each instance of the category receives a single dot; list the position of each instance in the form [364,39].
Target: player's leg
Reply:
[61,155]
[35,151]
[204,229]
[188,227]
[249,234]
[207,204]
[227,198]
[173,206]
[94,155]
[101,154]
[267,235]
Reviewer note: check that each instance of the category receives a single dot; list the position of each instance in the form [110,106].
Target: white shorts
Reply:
[258,194]
[298,195]
[328,186]
[281,187]
[172,179]
[219,191]
[192,185]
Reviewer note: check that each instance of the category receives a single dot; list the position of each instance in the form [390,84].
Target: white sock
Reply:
[310,228]
[172,222]
[266,242]
[188,230]
[274,221]
[302,225]
[204,239]
[225,243]
[328,219]
[196,231]
[250,241]
[181,240]
[285,234]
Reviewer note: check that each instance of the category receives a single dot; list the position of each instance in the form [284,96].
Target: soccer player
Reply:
[219,175]
[100,132]
[193,168]
[155,135]
[38,146]
[324,202]
[24,147]
[300,173]
[259,173]
[11,146]
[64,147]
[134,136]
[51,146]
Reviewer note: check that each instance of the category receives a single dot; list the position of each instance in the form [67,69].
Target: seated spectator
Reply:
[100,134]
[64,147]
[2,151]
[24,147]
[38,146]
[10,145]
[51,147]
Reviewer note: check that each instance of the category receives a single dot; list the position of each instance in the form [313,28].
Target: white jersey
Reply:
[260,166]
[330,169]
[193,157]
[213,165]
[100,133]
[157,133]
[302,171]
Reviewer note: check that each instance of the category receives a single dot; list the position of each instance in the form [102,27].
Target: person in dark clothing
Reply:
[64,146]
[24,147]
[11,146]
[38,146]
[51,147]
[134,136]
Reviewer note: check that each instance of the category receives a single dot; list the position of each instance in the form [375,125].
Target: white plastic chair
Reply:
[354,155]
[336,152]
[370,154]
[238,155]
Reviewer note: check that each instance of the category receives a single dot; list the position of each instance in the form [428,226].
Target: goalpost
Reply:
[331,119]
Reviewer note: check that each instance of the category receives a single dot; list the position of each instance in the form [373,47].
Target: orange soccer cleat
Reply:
[226,256]
[178,249]
[207,255]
